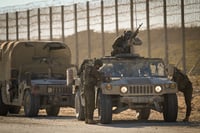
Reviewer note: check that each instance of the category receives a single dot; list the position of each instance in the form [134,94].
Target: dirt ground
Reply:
[130,114]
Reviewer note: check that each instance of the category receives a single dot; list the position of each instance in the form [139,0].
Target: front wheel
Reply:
[170,107]
[31,104]
[104,108]
[79,109]
[52,110]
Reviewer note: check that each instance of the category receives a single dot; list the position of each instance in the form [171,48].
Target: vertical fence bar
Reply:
[116,17]
[62,23]
[165,31]
[148,29]
[7,28]
[131,15]
[28,25]
[88,29]
[102,28]
[76,34]
[50,23]
[17,28]
[183,35]
[39,30]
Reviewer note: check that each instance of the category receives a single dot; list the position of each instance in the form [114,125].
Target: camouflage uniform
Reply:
[185,86]
[121,44]
[92,76]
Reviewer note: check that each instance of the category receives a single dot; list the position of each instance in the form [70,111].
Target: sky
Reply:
[5,3]
[13,5]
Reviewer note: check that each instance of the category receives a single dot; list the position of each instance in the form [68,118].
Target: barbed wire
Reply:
[192,17]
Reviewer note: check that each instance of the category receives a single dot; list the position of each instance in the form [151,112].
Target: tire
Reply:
[143,114]
[104,108]
[79,109]
[170,107]
[52,110]
[31,104]
[14,109]
[3,107]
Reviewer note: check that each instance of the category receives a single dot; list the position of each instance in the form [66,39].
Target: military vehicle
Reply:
[131,82]
[33,75]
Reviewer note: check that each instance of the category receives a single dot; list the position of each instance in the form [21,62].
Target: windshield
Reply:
[134,68]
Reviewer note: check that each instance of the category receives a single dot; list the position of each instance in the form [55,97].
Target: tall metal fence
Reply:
[102,16]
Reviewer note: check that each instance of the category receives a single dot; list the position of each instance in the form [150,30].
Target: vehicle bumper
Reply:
[141,99]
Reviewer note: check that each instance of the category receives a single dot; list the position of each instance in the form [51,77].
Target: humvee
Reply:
[33,75]
[135,83]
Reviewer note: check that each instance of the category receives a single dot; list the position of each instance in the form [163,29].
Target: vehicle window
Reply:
[133,68]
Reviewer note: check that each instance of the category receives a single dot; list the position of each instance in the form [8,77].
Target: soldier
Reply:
[123,43]
[92,76]
[185,86]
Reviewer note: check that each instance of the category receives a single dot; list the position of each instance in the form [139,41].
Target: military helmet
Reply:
[98,62]
[128,34]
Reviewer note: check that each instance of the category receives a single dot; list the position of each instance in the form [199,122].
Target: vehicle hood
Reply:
[48,82]
[140,80]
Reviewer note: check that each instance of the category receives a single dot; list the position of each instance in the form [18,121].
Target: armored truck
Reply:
[33,75]
[131,82]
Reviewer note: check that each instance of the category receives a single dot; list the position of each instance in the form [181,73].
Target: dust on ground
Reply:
[131,114]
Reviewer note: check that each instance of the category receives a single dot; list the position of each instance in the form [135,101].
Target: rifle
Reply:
[137,31]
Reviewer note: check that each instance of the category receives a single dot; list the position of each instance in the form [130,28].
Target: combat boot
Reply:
[86,120]
[90,121]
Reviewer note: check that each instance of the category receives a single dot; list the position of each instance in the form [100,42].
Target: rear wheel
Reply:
[52,110]
[31,104]
[3,107]
[170,107]
[143,114]
[104,108]
[79,109]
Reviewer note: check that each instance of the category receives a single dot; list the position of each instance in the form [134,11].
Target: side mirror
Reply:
[1,54]
[170,69]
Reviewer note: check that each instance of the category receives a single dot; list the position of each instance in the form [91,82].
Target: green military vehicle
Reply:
[33,75]
[131,82]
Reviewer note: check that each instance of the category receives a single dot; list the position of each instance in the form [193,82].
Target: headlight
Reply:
[158,89]
[124,89]
[50,90]
[108,86]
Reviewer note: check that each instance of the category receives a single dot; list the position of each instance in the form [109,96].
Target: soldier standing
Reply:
[185,86]
[92,76]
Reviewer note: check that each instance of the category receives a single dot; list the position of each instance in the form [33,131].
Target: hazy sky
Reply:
[5,3]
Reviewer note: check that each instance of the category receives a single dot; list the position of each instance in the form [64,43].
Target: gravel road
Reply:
[67,123]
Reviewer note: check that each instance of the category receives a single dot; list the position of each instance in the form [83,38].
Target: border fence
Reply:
[58,22]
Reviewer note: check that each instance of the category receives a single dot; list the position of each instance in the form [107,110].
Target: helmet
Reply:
[128,34]
[98,62]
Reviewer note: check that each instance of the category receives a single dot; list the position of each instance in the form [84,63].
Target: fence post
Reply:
[17,28]
[183,35]
[131,14]
[102,28]
[7,28]
[62,23]
[165,32]
[28,25]
[88,29]
[76,34]
[39,30]
[116,17]
[50,23]
[148,29]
